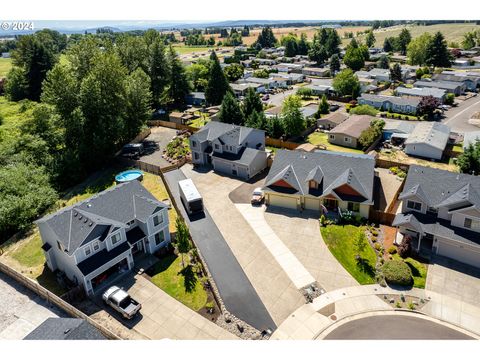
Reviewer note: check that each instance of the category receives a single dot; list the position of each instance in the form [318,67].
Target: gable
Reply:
[282,183]
[347,190]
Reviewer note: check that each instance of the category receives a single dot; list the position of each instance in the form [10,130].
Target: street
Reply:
[277,99]
[457,117]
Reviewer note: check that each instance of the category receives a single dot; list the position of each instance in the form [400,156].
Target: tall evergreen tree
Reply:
[158,70]
[138,99]
[403,40]
[303,45]
[230,111]
[396,72]
[383,62]
[437,53]
[388,44]
[266,39]
[178,87]
[217,85]
[292,117]
[256,120]
[370,39]
[334,64]
[251,103]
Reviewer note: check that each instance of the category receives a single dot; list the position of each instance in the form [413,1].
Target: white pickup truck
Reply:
[122,302]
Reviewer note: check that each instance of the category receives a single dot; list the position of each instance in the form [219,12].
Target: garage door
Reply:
[222,167]
[312,204]
[463,254]
[283,201]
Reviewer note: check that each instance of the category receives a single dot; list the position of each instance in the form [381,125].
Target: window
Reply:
[96,246]
[115,239]
[332,137]
[352,206]
[196,156]
[473,224]
[414,205]
[158,219]
[159,238]
[194,143]
[88,251]
[347,139]
[217,146]
[313,184]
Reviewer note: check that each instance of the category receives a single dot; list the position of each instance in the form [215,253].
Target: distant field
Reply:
[452,32]
[5,66]
[183,49]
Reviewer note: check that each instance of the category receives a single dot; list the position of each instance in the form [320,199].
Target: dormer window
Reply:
[115,239]
[157,220]
[473,224]
[217,147]
[194,143]
[312,184]
[414,205]
[96,246]
[88,251]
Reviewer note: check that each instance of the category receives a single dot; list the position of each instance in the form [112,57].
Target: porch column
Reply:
[419,241]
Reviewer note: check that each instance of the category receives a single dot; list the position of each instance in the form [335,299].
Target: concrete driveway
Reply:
[161,136]
[235,288]
[300,232]
[21,310]
[456,280]
[274,287]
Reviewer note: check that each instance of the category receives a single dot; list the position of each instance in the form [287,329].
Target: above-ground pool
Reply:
[129,175]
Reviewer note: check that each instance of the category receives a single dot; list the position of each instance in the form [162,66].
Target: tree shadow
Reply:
[414,270]
[365,267]
[163,264]
[189,278]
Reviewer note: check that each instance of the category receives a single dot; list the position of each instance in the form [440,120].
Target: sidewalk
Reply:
[308,322]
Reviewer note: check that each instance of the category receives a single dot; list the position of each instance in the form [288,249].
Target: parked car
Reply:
[257,196]
[133,150]
[266,97]
[334,107]
[122,302]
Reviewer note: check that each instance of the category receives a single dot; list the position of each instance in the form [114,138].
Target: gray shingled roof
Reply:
[353,126]
[331,168]
[441,187]
[244,157]
[101,214]
[448,85]
[393,99]
[227,133]
[430,133]
[65,329]
[437,93]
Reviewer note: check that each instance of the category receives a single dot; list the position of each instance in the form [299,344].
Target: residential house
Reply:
[441,213]
[265,83]
[230,149]
[428,140]
[319,90]
[471,83]
[348,132]
[281,81]
[241,89]
[291,78]
[180,117]
[65,329]
[331,120]
[273,111]
[470,138]
[96,239]
[195,98]
[315,71]
[403,105]
[421,92]
[289,67]
[456,88]
[308,111]
[380,75]
[321,181]
[397,129]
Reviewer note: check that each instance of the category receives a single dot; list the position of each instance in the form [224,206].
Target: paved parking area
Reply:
[300,232]
[21,310]
[275,289]
[458,281]
[161,136]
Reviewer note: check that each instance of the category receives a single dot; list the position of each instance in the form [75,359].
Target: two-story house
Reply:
[441,213]
[97,239]
[229,149]
[322,181]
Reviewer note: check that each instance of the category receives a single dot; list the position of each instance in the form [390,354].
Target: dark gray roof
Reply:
[244,157]
[393,99]
[333,169]
[102,257]
[437,93]
[430,133]
[451,77]
[227,133]
[437,227]
[65,329]
[448,85]
[101,214]
[439,187]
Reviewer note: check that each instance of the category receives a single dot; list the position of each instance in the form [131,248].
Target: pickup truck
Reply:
[122,302]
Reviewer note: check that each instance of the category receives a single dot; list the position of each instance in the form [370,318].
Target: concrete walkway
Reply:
[295,270]
[312,321]
[163,317]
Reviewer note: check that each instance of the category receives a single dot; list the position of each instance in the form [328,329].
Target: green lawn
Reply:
[339,240]
[419,271]
[183,49]
[5,66]
[273,149]
[319,138]
[169,277]
[199,122]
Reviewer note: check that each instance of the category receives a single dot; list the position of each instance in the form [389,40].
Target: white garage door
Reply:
[312,204]
[223,167]
[283,201]
[457,252]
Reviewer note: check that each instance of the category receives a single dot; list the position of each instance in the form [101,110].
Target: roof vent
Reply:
[67,331]
[91,223]
[89,205]
[75,214]
[85,220]
[79,217]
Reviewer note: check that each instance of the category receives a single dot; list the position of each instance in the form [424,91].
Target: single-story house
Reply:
[229,149]
[456,88]
[241,89]
[321,181]
[441,213]
[470,83]
[380,74]
[96,240]
[180,117]
[309,111]
[319,90]
[428,140]
[403,105]
[331,120]
[289,67]
[421,92]
[348,132]
[400,129]
[266,83]
[195,98]
[291,78]
[315,71]
[65,329]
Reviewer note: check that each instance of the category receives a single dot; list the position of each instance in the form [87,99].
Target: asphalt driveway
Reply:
[457,117]
[160,136]
[237,292]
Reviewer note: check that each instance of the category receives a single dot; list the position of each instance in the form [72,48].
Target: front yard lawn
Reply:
[339,240]
[419,271]
[319,138]
[182,284]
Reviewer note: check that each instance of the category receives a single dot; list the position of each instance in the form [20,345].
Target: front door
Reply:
[330,204]
[137,247]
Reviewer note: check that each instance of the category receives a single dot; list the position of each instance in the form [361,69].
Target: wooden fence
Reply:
[381,217]
[280,143]
[387,164]
[54,299]
[172,125]
[150,168]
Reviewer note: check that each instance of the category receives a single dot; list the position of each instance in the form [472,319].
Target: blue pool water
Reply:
[129,175]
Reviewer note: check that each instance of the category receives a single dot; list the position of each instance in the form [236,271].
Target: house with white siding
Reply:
[428,140]
[441,213]
[95,240]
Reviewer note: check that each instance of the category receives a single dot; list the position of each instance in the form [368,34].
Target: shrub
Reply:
[392,250]
[397,272]
[364,110]
[449,99]
[323,220]
[374,232]
[411,305]
[374,239]
[377,246]
[405,248]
